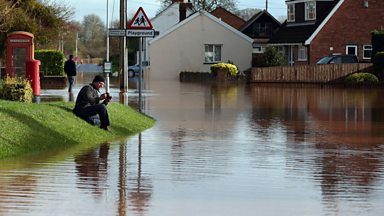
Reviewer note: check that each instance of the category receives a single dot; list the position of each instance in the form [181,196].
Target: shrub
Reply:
[230,68]
[361,78]
[378,60]
[16,89]
[377,41]
[52,62]
[271,57]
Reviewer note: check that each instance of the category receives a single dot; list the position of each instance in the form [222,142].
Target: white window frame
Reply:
[310,15]
[291,13]
[351,46]
[213,56]
[302,53]
[258,48]
[367,48]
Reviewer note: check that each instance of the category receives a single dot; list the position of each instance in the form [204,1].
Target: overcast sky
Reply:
[86,7]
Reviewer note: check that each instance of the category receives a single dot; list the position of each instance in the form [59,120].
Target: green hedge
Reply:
[52,62]
[377,41]
[361,78]
[16,89]
[378,60]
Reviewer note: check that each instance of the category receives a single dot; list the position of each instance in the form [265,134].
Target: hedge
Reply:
[230,68]
[52,62]
[361,78]
[377,41]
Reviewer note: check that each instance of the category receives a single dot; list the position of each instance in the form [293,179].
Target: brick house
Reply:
[317,28]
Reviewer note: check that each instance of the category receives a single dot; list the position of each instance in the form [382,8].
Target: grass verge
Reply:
[30,128]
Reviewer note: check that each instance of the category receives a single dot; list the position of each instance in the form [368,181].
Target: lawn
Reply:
[27,128]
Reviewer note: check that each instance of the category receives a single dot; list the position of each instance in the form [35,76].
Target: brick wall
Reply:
[352,24]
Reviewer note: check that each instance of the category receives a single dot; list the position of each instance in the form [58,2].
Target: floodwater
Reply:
[218,151]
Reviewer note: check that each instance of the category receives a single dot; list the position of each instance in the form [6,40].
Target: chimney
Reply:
[182,10]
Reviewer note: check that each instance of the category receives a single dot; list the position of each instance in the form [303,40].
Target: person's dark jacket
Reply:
[70,67]
[87,96]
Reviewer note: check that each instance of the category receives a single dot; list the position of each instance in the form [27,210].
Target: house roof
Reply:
[189,8]
[293,34]
[202,13]
[255,17]
[228,17]
[303,33]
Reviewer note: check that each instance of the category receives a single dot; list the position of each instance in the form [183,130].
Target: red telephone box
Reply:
[20,59]
[20,49]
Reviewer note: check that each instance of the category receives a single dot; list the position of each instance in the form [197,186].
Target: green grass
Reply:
[27,128]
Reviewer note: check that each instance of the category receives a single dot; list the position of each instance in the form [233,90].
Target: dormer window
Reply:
[291,13]
[310,10]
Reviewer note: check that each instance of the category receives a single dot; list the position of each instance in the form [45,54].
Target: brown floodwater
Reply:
[217,151]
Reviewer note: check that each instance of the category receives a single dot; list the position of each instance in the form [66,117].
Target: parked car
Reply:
[134,70]
[338,59]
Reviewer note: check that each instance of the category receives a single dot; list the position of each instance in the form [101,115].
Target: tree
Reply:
[207,5]
[45,19]
[247,13]
[92,36]
[6,17]
[271,57]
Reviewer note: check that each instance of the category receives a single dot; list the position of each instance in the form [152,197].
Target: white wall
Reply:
[183,48]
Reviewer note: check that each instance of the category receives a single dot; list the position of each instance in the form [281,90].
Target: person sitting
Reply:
[90,106]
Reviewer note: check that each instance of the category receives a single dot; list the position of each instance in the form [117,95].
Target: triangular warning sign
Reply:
[140,20]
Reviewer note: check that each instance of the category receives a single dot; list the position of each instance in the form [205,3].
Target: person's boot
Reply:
[105,128]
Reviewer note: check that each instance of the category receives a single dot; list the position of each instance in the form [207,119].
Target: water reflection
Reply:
[140,186]
[342,125]
[221,150]
[92,170]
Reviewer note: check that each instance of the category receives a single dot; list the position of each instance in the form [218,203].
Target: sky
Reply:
[86,7]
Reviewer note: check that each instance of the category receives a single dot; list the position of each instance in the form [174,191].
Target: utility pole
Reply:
[107,54]
[266,5]
[123,48]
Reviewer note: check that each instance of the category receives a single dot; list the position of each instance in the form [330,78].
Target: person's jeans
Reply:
[71,80]
[88,113]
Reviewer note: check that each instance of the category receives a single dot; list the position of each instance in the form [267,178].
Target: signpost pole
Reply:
[140,70]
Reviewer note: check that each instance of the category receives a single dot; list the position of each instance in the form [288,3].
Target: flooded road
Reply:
[218,151]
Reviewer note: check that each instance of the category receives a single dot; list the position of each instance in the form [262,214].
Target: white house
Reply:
[196,43]
[169,17]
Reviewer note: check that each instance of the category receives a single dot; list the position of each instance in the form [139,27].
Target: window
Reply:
[367,51]
[302,53]
[262,29]
[351,50]
[257,48]
[291,13]
[212,53]
[310,10]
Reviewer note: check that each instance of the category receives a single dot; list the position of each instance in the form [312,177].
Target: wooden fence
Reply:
[331,73]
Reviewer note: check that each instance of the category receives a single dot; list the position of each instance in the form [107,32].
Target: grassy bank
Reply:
[30,128]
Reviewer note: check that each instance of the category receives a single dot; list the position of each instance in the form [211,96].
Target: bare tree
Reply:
[247,13]
[92,36]
[207,5]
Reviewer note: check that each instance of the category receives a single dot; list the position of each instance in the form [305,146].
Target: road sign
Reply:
[140,20]
[107,67]
[140,33]
[117,32]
